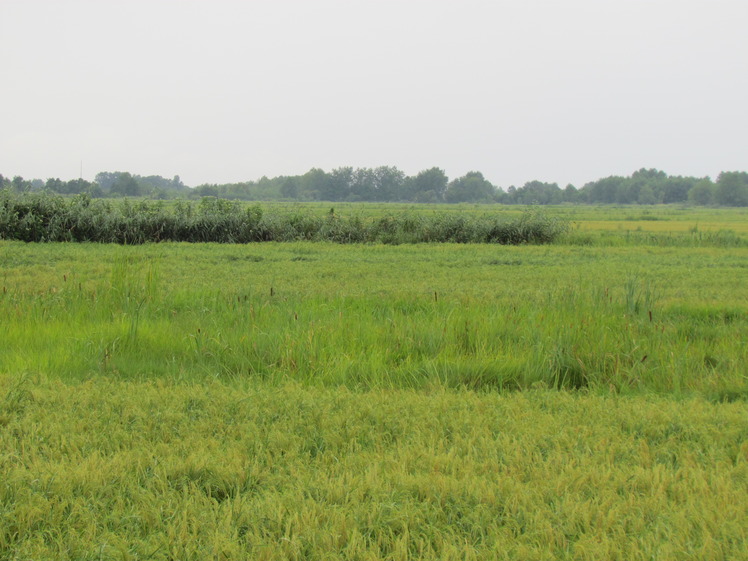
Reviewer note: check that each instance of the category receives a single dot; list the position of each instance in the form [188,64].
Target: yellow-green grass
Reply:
[155,470]
[673,217]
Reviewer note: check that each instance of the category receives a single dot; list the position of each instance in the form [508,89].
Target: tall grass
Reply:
[111,470]
[727,238]
[50,218]
[605,334]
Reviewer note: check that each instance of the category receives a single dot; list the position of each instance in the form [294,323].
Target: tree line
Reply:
[389,184]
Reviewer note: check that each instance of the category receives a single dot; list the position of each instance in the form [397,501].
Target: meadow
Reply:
[583,399]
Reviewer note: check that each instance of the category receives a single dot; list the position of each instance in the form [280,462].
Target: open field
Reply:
[619,319]
[116,470]
[657,218]
[586,399]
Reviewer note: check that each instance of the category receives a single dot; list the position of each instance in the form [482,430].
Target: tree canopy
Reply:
[388,183]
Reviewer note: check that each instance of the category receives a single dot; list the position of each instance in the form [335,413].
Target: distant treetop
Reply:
[389,184]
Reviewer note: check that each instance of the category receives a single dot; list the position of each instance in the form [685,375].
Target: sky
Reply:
[226,91]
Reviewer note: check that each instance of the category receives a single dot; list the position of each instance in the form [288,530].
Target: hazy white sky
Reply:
[222,91]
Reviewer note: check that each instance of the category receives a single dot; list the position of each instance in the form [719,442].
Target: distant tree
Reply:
[627,191]
[206,190]
[649,175]
[121,183]
[603,190]
[501,197]
[513,195]
[646,186]
[54,184]
[105,180]
[126,185]
[702,193]
[311,184]
[675,189]
[570,194]
[386,183]
[363,185]
[93,190]
[389,184]
[268,188]
[72,187]
[538,192]
[428,186]
[338,185]
[646,196]
[732,189]
[290,188]
[371,184]
[472,187]
[83,186]
[20,184]
[581,196]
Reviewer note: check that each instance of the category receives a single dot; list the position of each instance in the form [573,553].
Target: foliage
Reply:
[34,217]
[472,187]
[387,183]
[645,186]
[732,189]
[125,184]
[702,193]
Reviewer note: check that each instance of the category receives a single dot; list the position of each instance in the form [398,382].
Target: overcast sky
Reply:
[222,91]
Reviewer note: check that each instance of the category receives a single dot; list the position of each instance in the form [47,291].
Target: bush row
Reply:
[34,217]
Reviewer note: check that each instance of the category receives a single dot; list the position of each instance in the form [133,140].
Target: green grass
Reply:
[380,317]
[365,401]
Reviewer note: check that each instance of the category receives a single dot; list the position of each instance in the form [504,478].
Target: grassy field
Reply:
[580,400]
[108,469]
[660,218]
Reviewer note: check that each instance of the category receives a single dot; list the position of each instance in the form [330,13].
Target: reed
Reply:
[34,217]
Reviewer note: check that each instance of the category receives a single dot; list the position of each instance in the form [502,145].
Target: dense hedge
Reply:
[37,217]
